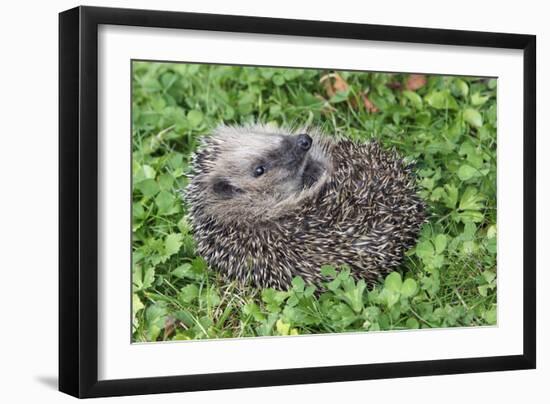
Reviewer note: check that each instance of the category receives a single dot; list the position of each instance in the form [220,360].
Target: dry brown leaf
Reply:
[169,327]
[339,83]
[333,83]
[394,85]
[369,106]
[415,81]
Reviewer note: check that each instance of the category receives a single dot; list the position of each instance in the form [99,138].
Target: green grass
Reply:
[448,125]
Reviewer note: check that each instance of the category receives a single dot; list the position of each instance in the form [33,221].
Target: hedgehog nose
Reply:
[304,141]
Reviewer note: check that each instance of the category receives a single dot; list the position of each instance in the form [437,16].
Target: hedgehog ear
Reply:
[223,188]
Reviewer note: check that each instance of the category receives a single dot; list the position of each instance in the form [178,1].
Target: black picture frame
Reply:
[78,201]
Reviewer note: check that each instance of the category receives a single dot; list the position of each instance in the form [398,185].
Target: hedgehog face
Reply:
[256,174]
[268,167]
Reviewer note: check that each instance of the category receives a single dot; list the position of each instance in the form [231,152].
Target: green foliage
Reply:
[447,125]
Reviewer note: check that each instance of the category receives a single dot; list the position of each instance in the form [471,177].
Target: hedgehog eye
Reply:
[260,170]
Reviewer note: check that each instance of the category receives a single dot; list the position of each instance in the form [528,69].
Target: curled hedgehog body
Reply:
[267,205]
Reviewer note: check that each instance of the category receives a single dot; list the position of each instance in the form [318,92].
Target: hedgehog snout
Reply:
[304,141]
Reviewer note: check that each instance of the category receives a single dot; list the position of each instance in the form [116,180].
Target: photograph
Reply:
[275,202]
[251,201]
[270,201]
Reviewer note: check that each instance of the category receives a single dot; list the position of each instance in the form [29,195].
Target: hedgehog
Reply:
[268,204]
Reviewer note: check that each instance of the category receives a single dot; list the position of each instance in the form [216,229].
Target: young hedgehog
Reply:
[267,205]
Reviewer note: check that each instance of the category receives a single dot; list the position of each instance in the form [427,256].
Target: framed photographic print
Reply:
[251,201]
